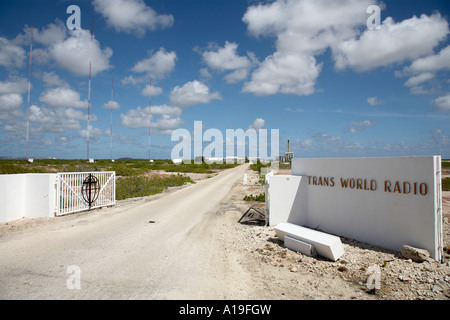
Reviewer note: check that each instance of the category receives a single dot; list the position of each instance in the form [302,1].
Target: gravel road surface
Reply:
[162,249]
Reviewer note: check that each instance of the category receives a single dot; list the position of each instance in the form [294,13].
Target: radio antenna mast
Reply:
[29,89]
[89,90]
[111,107]
[149,116]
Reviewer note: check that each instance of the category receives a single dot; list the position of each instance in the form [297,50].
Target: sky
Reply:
[333,79]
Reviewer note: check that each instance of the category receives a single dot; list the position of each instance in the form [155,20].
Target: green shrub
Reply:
[140,186]
[446,184]
[262,179]
[258,165]
[260,198]
[19,166]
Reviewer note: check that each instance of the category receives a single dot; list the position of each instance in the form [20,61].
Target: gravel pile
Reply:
[400,278]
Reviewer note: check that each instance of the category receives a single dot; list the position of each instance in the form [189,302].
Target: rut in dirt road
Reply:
[162,249]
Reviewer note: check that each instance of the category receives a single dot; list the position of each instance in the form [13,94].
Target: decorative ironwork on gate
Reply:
[79,191]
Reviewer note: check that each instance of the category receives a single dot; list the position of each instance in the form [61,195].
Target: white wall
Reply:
[27,195]
[365,210]
[40,192]
[12,189]
[286,200]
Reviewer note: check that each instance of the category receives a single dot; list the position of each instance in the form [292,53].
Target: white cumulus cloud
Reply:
[75,53]
[226,59]
[257,124]
[17,85]
[288,73]
[158,65]
[374,101]
[51,79]
[49,35]
[153,90]
[131,16]
[12,55]
[424,72]
[114,105]
[192,93]
[62,97]
[442,103]
[303,29]
[10,102]
[167,121]
[431,63]
[55,120]
[392,43]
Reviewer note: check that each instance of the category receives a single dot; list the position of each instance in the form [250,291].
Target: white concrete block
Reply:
[326,245]
[300,246]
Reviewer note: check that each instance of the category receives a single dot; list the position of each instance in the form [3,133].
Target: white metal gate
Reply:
[79,191]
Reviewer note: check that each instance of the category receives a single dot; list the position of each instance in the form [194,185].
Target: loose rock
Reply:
[415,254]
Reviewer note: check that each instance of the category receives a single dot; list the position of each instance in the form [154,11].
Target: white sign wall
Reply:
[388,202]
[30,195]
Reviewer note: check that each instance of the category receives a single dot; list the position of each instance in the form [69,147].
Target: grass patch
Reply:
[262,179]
[19,166]
[258,165]
[122,167]
[446,184]
[260,198]
[141,186]
[131,180]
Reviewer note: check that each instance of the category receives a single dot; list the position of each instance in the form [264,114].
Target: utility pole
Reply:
[149,116]
[111,108]
[89,91]
[29,90]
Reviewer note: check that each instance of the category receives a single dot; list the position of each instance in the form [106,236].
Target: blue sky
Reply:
[311,69]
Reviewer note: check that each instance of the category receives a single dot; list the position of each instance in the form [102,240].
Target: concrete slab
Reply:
[299,246]
[326,245]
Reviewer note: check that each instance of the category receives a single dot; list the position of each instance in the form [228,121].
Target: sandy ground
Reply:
[283,274]
[248,261]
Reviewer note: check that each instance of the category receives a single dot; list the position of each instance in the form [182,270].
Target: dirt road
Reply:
[162,249]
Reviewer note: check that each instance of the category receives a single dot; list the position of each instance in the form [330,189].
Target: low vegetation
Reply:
[260,197]
[446,184]
[132,180]
[258,165]
[122,167]
[140,186]
[446,181]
